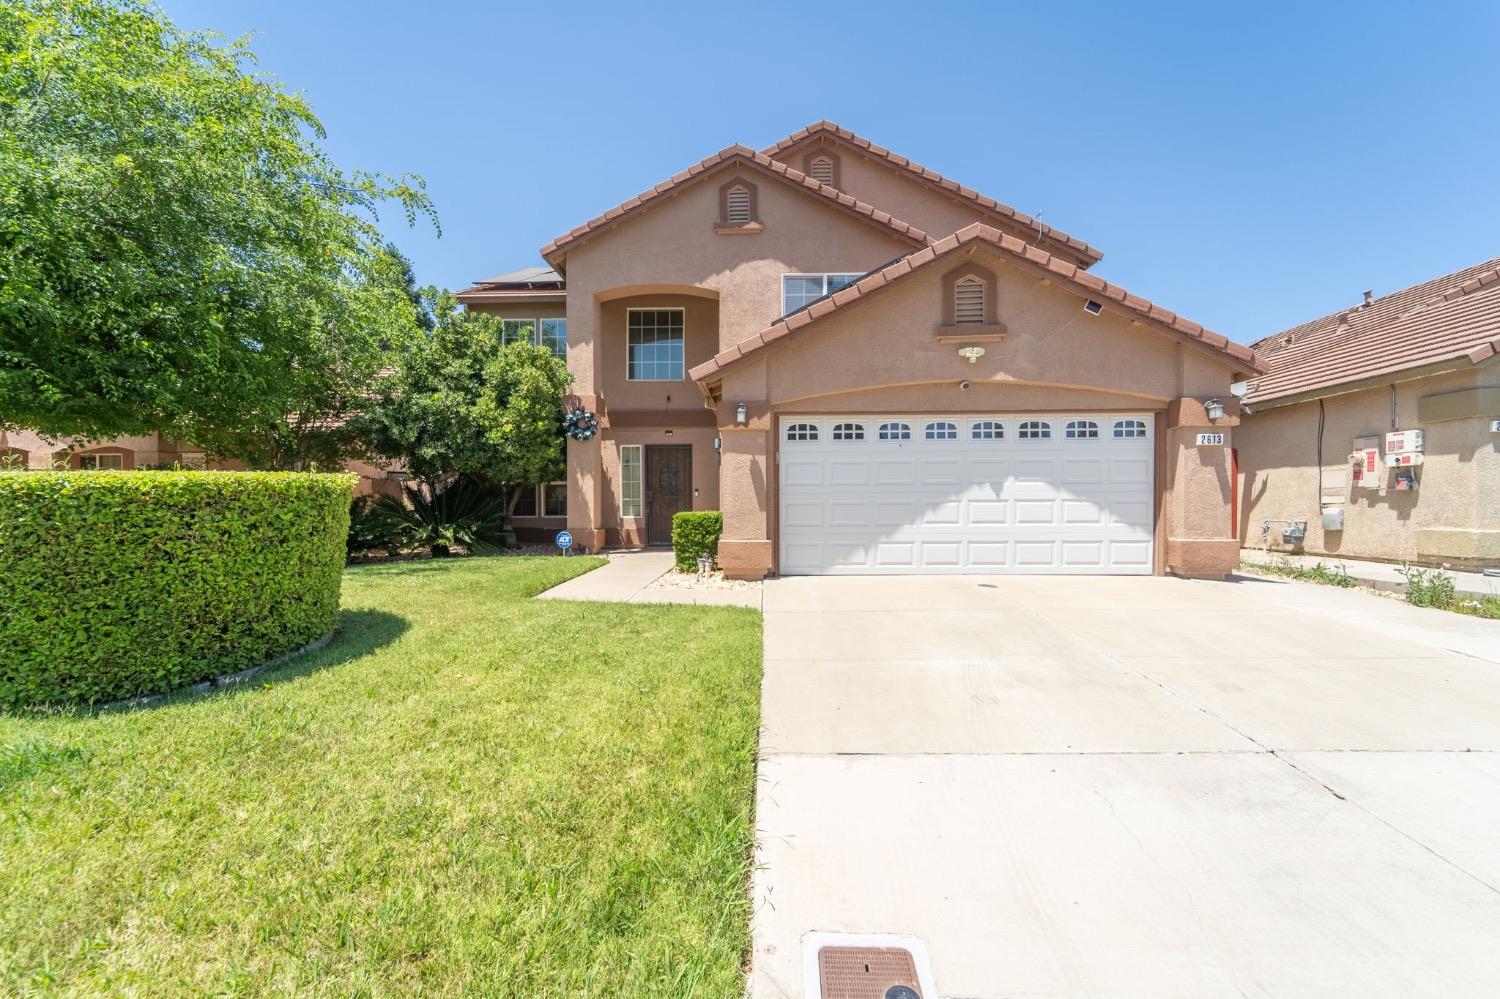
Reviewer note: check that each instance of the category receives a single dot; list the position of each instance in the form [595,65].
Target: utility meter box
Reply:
[1401,441]
[1365,459]
[1333,518]
[1406,459]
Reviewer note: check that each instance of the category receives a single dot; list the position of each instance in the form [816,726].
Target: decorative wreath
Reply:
[580,424]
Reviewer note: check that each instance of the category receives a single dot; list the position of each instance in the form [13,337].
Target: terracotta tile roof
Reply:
[1045,232]
[554,251]
[1454,318]
[1111,296]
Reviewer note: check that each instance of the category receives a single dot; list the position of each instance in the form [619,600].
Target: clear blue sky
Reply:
[1250,168]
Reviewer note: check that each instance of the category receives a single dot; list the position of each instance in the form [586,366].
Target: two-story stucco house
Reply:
[870,368]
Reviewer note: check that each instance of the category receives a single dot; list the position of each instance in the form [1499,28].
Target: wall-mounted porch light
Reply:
[741,414]
[1214,409]
[971,354]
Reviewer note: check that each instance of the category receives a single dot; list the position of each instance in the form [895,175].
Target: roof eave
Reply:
[1458,362]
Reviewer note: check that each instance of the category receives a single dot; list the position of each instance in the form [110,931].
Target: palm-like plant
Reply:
[465,513]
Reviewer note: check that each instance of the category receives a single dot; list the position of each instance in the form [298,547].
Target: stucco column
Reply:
[744,498]
[586,486]
[1200,540]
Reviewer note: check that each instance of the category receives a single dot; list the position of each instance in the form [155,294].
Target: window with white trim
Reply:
[630,480]
[549,333]
[987,430]
[1034,430]
[655,340]
[798,290]
[848,431]
[1130,429]
[940,431]
[555,499]
[802,432]
[101,462]
[1081,430]
[895,432]
[968,300]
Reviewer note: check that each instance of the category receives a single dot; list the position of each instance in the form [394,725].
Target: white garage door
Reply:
[997,493]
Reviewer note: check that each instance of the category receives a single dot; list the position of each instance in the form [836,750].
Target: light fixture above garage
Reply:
[971,354]
[1214,409]
[741,414]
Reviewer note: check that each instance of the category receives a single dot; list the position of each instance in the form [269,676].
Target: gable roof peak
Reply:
[555,251]
[1085,254]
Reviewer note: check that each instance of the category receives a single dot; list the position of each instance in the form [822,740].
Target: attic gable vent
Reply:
[737,201]
[821,169]
[968,300]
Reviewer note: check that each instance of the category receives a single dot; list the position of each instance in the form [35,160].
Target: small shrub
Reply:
[694,533]
[1429,587]
[463,514]
[115,584]
[1328,575]
[373,528]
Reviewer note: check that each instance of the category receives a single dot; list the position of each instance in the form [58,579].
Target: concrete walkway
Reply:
[628,578]
[1092,786]
[1378,575]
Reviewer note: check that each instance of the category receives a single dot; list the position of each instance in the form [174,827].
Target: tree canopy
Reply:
[177,253]
[461,400]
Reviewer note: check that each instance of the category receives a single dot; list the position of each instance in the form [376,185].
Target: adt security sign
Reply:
[564,540]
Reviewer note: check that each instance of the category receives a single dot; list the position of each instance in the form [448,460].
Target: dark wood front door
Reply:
[669,489]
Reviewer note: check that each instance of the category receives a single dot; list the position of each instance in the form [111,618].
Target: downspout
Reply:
[1234,493]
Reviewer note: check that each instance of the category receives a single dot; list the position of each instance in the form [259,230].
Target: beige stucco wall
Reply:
[1454,515]
[521,309]
[880,355]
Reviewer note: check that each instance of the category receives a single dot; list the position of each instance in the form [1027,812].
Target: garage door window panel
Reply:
[1035,430]
[987,430]
[895,432]
[1082,430]
[1129,429]
[848,431]
[940,431]
[801,432]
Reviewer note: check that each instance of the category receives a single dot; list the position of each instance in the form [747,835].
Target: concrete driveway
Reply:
[1131,786]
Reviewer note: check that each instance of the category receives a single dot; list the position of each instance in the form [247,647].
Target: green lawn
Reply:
[467,792]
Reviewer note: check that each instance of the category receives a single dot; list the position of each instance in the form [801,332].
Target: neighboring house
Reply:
[1422,359]
[27,449]
[870,368]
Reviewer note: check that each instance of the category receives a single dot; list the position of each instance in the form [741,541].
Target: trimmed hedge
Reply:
[116,584]
[694,533]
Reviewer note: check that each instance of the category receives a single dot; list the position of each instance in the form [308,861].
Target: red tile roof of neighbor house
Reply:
[1109,295]
[937,180]
[1453,320]
[554,251]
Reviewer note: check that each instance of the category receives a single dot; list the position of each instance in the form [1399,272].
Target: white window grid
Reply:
[798,432]
[654,345]
[1081,430]
[1129,429]
[798,290]
[940,430]
[630,480]
[549,333]
[848,431]
[895,431]
[1034,430]
[987,430]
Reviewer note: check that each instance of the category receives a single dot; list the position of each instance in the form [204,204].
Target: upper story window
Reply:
[987,430]
[738,206]
[802,431]
[941,431]
[1035,430]
[654,345]
[798,290]
[1130,429]
[822,166]
[848,432]
[549,333]
[1082,430]
[895,432]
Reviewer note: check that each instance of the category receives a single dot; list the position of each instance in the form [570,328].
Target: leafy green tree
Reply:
[177,253]
[461,400]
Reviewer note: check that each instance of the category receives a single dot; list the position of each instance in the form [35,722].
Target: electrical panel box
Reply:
[1400,441]
[1367,471]
[1333,518]
[1406,459]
